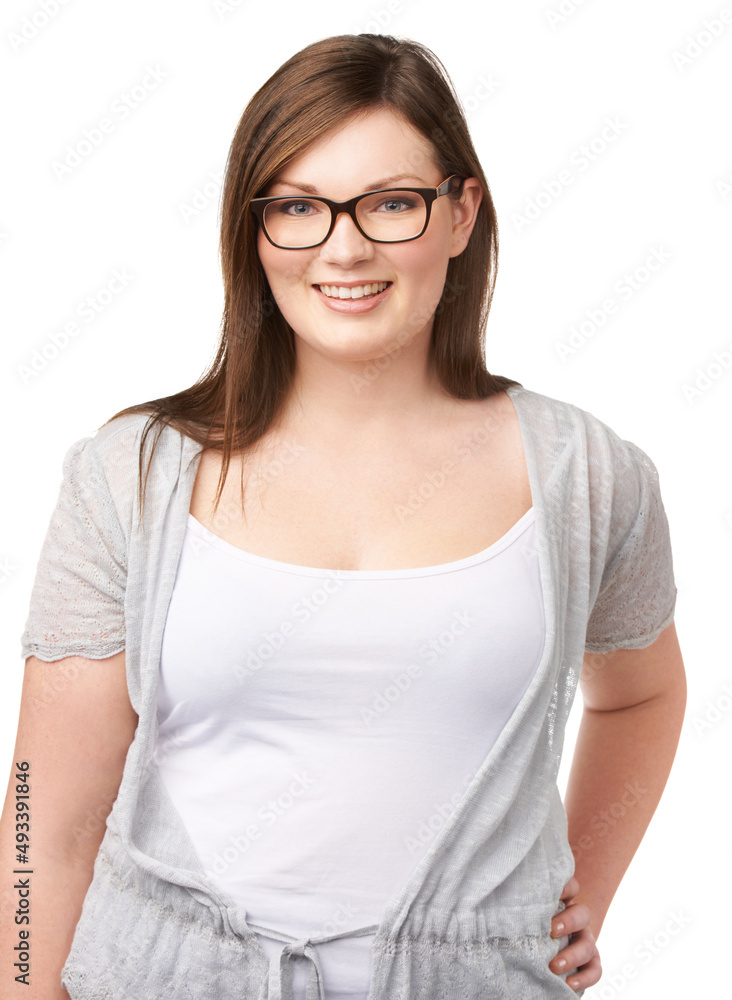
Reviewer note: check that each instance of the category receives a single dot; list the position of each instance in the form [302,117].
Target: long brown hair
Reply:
[236,400]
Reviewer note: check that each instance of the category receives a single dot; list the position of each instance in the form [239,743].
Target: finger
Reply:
[581,949]
[571,920]
[571,889]
[587,976]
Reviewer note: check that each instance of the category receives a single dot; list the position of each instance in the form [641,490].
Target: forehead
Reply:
[364,149]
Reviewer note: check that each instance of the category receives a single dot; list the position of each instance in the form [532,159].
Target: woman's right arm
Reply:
[75,726]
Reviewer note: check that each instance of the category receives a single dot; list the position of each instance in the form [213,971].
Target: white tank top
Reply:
[318,726]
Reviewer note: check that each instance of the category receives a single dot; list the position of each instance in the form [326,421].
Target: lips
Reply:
[358,304]
[352,290]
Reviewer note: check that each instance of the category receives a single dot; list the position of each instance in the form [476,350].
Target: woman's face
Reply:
[376,151]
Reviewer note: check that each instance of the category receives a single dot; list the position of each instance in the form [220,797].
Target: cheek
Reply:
[281,267]
[423,264]
[269,259]
[263,249]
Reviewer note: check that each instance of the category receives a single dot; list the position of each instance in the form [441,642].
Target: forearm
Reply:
[57,892]
[75,726]
[620,767]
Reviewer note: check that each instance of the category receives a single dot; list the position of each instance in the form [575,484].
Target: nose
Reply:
[346,244]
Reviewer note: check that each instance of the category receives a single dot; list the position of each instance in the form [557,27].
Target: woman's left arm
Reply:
[633,708]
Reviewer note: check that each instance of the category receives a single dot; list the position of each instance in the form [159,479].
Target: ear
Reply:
[465,213]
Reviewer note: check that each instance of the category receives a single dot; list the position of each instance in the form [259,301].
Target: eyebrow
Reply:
[373,186]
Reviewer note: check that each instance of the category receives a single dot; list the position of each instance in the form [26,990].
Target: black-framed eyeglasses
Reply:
[389,215]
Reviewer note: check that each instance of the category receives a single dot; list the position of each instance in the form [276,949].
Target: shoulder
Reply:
[585,452]
[108,466]
[123,441]
[552,415]
[567,423]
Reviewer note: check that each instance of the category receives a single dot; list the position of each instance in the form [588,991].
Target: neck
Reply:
[376,399]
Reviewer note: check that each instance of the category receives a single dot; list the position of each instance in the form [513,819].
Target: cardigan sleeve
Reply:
[636,598]
[77,600]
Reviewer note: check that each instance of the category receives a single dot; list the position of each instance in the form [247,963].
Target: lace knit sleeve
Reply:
[637,593]
[77,600]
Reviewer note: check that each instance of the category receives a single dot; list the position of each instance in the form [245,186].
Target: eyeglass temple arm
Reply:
[450,184]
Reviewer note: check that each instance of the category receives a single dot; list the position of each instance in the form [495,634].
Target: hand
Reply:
[581,953]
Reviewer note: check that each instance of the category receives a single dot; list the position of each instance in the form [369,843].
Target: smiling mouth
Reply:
[365,291]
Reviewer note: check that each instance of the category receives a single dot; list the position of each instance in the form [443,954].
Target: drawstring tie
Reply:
[281,968]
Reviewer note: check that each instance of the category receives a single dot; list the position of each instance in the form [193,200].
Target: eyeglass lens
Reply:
[303,222]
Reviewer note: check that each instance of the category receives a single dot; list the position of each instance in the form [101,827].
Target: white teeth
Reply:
[358,292]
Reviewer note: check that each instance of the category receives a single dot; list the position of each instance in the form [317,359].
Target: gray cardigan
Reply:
[473,920]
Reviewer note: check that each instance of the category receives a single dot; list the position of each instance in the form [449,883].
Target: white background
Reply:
[536,89]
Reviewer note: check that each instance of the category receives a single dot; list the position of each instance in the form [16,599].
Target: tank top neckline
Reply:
[264,562]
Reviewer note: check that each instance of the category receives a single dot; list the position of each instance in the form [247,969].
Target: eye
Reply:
[396,205]
[296,209]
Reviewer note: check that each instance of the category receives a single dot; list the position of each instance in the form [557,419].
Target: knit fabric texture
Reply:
[473,921]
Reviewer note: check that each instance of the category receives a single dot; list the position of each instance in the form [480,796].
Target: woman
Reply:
[352,677]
